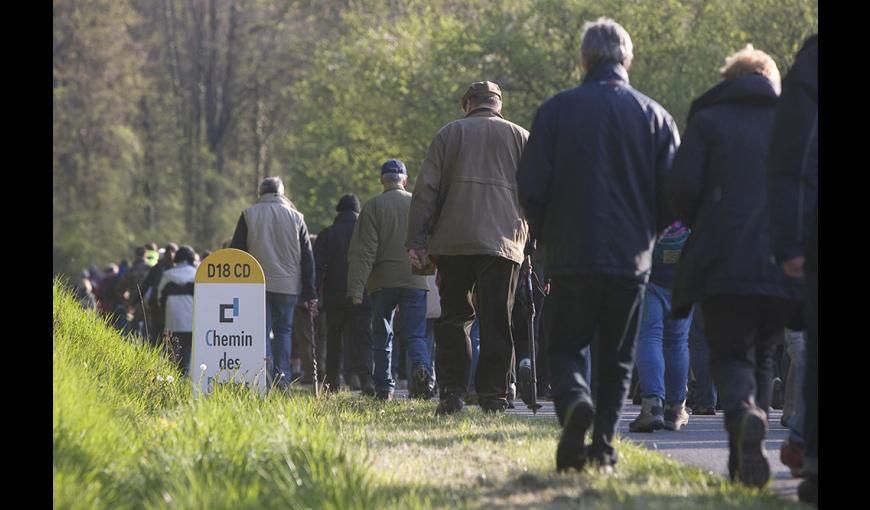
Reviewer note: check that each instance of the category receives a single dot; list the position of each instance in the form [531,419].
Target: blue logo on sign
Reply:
[224,308]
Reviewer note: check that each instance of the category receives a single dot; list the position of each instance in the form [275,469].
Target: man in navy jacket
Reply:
[590,182]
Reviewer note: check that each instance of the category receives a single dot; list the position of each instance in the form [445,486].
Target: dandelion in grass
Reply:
[202,367]
[169,379]
[159,378]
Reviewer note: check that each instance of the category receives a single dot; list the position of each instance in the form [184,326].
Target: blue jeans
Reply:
[475,353]
[279,320]
[430,348]
[794,402]
[662,349]
[699,355]
[412,304]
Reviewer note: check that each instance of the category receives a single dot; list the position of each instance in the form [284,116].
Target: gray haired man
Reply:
[591,184]
[274,232]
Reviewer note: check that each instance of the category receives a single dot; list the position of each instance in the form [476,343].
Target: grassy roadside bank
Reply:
[128,434]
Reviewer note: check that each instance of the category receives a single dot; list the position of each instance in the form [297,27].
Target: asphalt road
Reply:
[703,442]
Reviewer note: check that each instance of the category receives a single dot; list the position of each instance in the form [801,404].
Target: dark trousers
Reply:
[182,346]
[742,333]
[699,360]
[811,377]
[495,280]
[158,322]
[353,322]
[579,306]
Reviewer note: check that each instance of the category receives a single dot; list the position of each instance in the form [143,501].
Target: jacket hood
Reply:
[346,217]
[752,87]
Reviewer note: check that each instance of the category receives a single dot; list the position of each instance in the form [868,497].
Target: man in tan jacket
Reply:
[465,214]
[274,232]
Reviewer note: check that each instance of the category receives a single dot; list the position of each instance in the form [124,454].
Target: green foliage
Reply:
[167,114]
[394,76]
[129,434]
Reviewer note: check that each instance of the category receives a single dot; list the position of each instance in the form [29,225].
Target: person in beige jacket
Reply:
[274,232]
[465,214]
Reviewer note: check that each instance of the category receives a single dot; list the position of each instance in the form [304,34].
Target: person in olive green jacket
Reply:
[466,213]
[377,263]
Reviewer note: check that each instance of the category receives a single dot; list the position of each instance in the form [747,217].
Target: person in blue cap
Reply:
[379,265]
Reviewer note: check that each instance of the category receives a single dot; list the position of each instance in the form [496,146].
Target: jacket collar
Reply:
[271,198]
[346,217]
[391,187]
[607,71]
[753,86]
[483,111]
[276,198]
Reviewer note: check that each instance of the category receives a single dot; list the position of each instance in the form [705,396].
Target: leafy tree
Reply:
[168,113]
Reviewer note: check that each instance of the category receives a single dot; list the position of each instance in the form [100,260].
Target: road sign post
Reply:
[229,321]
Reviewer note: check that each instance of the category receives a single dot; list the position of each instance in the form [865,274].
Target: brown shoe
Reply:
[676,416]
[792,455]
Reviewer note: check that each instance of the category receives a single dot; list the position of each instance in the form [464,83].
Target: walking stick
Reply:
[530,290]
[313,354]
[144,315]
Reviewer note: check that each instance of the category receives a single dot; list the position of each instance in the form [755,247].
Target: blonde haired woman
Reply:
[718,189]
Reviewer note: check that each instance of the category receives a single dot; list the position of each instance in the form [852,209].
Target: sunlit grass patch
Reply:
[128,433]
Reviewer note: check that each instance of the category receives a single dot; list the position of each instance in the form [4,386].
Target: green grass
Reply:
[124,439]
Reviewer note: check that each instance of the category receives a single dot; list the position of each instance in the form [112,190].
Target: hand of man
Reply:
[531,246]
[311,304]
[794,267]
[419,257]
[356,300]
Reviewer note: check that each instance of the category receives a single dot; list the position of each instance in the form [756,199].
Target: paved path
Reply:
[703,442]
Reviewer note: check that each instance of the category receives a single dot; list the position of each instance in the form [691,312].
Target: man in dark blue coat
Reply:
[718,188]
[343,318]
[590,182]
[793,173]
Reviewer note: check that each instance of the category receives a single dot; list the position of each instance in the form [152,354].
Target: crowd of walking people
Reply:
[671,263]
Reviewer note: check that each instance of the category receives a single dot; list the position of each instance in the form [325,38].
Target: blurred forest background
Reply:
[167,113]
